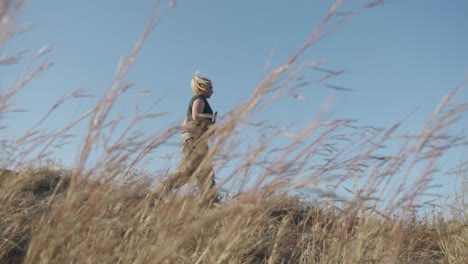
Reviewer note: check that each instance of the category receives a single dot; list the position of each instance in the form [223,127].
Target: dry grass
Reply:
[103,211]
[44,223]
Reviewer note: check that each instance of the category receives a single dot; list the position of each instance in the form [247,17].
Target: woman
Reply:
[197,122]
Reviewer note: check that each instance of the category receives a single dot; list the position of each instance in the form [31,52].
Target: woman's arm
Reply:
[197,109]
[197,112]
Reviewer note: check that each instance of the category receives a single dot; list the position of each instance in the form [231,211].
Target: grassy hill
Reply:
[50,216]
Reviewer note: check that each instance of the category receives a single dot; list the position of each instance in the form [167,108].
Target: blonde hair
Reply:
[199,84]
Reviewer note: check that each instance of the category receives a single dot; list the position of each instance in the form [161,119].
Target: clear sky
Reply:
[399,58]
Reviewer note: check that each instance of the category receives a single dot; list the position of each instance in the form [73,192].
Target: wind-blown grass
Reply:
[104,211]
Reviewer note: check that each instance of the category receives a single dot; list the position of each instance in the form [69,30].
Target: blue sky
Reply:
[399,58]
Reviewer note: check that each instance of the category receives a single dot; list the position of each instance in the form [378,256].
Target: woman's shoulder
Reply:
[198,96]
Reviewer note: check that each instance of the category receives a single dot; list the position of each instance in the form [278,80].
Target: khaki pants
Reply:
[193,165]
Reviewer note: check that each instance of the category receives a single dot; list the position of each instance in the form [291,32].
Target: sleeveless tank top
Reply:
[192,125]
